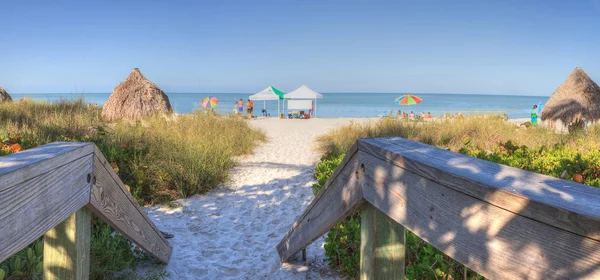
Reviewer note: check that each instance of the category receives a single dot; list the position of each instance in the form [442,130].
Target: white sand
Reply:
[232,234]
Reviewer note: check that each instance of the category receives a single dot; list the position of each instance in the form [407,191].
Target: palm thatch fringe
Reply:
[578,97]
[136,98]
[4,96]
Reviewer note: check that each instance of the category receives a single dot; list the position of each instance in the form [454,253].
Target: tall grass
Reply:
[160,159]
[188,154]
[484,132]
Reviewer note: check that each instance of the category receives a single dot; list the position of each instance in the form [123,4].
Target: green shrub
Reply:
[25,264]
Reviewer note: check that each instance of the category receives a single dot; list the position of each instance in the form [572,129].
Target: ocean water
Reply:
[343,104]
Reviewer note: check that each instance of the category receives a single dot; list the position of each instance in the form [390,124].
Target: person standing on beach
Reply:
[240,105]
[249,107]
[534,115]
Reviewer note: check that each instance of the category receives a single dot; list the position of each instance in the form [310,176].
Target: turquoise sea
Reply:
[344,104]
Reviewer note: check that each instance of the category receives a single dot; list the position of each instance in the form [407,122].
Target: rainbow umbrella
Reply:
[210,102]
[408,100]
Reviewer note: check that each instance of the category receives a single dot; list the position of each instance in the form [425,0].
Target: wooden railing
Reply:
[50,191]
[499,221]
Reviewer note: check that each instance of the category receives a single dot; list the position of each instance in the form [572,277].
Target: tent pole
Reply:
[315,107]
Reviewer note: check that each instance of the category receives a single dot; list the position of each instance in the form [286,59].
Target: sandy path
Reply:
[232,234]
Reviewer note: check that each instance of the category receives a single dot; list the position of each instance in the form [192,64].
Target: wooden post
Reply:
[382,251]
[304,254]
[67,248]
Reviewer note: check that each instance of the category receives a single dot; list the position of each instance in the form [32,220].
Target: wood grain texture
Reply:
[110,201]
[31,208]
[382,245]
[492,241]
[22,166]
[67,248]
[42,187]
[332,204]
[564,204]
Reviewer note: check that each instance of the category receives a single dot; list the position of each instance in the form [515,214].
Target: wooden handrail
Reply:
[42,187]
[501,222]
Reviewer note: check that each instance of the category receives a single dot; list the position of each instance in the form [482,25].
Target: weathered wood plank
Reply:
[31,208]
[382,245]
[560,203]
[349,155]
[22,166]
[67,248]
[332,204]
[495,242]
[114,204]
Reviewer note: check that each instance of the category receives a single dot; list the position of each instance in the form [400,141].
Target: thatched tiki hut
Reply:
[4,96]
[577,98]
[135,98]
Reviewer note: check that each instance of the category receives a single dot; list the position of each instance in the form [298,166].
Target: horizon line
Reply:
[331,92]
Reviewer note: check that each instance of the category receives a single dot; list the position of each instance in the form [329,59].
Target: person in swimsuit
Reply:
[249,107]
[240,105]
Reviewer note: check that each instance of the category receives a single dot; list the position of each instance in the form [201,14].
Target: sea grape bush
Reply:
[25,264]
[551,161]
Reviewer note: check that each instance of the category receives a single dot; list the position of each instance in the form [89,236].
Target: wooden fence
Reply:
[52,191]
[501,222]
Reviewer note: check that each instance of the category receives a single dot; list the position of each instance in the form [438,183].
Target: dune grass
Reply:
[159,159]
[484,132]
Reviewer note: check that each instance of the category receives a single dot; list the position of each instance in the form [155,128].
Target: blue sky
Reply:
[499,47]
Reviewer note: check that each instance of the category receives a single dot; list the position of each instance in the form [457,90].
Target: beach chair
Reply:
[382,114]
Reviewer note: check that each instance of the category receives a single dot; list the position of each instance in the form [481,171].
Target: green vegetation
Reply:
[538,150]
[28,262]
[158,159]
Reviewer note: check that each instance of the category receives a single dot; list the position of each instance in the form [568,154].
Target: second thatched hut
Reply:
[4,96]
[577,98]
[135,98]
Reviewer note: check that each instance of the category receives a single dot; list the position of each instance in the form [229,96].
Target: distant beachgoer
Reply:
[429,116]
[240,105]
[534,115]
[249,107]
[422,115]
[412,115]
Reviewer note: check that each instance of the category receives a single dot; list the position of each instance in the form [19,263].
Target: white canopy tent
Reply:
[304,92]
[270,93]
